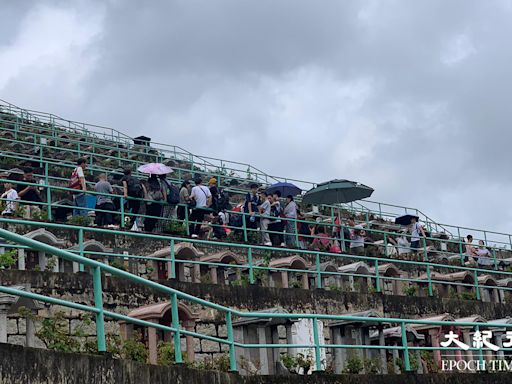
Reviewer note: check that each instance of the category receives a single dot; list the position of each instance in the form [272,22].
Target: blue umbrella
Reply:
[285,189]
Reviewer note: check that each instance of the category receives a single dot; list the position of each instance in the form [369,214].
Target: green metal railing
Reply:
[222,165]
[52,190]
[121,161]
[229,314]
[487,236]
[376,279]
[49,121]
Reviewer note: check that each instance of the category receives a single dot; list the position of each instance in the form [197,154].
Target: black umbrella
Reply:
[336,192]
[405,219]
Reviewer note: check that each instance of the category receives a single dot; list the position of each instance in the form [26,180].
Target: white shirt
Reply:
[200,193]
[415,232]
[79,172]
[11,195]
[483,252]
[357,240]
[403,245]
[265,206]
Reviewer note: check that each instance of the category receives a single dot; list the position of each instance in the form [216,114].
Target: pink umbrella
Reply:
[155,169]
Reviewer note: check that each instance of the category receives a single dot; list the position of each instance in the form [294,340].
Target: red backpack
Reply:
[74,181]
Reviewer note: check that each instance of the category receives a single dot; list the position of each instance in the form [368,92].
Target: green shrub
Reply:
[116,263]
[176,228]
[410,290]
[83,221]
[51,262]
[413,362]
[40,215]
[8,259]
[468,296]
[218,363]
[134,349]
[372,366]
[297,363]
[354,365]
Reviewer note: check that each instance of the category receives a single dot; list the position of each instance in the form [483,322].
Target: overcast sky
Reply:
[410,97]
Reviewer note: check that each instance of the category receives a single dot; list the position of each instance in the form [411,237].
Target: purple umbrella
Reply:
[155,169]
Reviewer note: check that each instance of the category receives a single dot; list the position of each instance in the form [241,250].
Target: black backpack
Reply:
[223,201]
[134,187]
[173,193]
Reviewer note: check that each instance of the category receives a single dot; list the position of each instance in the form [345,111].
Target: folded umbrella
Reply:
[285,189]
[337,192]
[155,169]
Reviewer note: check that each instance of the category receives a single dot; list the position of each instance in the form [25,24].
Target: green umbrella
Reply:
[336,192]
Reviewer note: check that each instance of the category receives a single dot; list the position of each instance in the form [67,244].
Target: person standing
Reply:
[252,201]
[214,190]
[264,209]
[356,237]
[169,209]
[203,200]
[276,226]
[10,196]
[104,204]
[77,183]
[29,194]
[290,213]
[184,201]
[133,191]
[155,197]
[416,229]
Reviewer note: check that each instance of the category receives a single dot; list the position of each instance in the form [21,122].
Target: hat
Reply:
[213,180]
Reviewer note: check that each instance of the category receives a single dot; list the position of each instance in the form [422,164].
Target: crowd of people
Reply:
[152,203]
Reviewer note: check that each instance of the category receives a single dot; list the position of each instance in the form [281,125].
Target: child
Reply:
[11,196]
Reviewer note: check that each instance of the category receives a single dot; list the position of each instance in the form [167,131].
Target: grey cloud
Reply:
[381,92]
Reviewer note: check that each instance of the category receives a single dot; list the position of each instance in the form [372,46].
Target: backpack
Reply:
[173,193]
[74,181]
[253,200]
[223,201]
[134,187]
[235,220]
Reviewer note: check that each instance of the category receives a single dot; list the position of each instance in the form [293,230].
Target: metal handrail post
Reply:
[316,339]
[407,363]
[250,263]
[81,267]
[176,325]
[318,272]
[98,303]
[172,272]
[232,352]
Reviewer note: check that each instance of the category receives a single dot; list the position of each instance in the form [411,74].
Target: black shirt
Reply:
[32,194]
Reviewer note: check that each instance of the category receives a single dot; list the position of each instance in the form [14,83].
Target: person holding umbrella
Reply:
[156,196]
[154,192]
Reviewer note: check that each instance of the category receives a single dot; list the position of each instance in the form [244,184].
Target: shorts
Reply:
[415,245]
[358,251]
